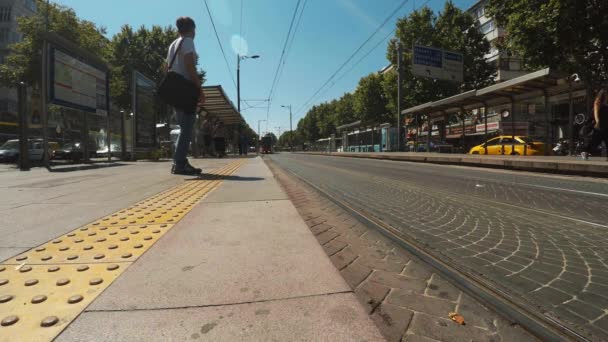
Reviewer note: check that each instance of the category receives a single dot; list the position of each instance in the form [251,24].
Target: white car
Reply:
[9,151]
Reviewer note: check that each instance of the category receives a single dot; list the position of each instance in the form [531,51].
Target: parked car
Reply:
[9,151]
[74,151]
[505,144]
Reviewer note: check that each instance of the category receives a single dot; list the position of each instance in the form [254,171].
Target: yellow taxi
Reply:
[505,144]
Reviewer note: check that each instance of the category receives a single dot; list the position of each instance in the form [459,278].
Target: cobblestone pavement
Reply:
[558,264]
[406,299]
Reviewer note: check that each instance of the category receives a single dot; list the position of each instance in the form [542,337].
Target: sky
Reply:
[328,34]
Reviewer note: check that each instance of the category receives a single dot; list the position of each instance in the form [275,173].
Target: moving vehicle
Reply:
[267,145]
[74,151]
[505,145]
[9,151]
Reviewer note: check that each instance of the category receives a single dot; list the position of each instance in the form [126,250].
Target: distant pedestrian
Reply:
[185,64]
[600,129]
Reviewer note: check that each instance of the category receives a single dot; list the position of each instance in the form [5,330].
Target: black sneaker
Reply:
[194,168]
[186,170]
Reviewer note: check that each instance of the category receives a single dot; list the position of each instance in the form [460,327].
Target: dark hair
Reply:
[185,25]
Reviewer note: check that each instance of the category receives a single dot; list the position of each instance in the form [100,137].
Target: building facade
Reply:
[10,11]
[508,67]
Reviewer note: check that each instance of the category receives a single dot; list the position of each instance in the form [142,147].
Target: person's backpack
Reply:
[178,91]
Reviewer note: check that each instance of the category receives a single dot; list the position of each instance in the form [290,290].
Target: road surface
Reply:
[540,238]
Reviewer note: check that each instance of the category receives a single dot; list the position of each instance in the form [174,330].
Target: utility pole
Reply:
[238,82]
[259,137]
[399,95]
[290,129]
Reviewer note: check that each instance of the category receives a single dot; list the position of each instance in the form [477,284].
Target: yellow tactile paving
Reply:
[45,288]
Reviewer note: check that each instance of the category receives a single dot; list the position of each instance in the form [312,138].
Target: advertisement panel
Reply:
[144,112]
[77,84]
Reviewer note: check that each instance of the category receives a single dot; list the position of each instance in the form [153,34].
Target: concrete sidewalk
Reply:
[596,167]
[242,265]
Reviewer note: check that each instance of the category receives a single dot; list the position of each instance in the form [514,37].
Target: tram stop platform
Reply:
[133,253]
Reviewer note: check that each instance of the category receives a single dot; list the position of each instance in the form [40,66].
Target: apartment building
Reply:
[509,67]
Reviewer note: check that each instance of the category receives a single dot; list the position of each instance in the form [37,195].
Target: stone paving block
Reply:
[583,309]
[443,329]
[371,294]
[334,247]
[475,314]
[326,236]
[355,274]
[343,258]
[549,295]
[415,338]
[321,228]
[429,305]
[415,269]
[396,281]
[392,321]
[383,265]
[440,288]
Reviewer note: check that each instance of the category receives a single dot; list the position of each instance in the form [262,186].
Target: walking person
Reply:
[182,59]
[600,129]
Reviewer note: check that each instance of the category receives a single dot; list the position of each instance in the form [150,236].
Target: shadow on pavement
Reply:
[230,178]
[73,168]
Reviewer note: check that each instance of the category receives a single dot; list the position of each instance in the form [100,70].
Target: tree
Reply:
[453,30]
[23,64]
[567,35]
[370,101]
[345,110]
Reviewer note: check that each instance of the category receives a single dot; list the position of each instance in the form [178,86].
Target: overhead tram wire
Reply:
[403,3]
[282,58]
[290,44]
[220,43]
[372,49]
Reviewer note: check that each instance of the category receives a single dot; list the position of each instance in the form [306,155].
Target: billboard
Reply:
[438,63]
[144,130]
[78,84]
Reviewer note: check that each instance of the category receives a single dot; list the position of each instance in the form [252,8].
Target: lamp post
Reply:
[290,129]
[257,148]
[239,58]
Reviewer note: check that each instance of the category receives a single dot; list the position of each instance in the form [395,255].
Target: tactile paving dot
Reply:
[39,313]
[113,244]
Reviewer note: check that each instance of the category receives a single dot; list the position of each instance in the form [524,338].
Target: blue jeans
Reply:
[186,124]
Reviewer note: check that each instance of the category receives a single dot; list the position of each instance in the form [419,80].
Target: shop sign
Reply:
[492,126]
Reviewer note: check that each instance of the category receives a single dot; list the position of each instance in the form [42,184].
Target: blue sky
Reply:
[329,33]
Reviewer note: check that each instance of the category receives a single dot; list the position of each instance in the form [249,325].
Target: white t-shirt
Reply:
[179,66]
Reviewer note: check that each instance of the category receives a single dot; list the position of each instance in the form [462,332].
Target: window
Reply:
[31,5]
[488,27]
[493,142]
[5,14]
[5,35]
[480,12]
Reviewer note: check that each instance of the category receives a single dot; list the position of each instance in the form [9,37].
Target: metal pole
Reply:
[399,90]
[548,128]
[24,159]
[485,121]
[123,138]
[570,120]
[44,99]
[463,116]
[238,82]
[290,131]
[430,132]
[109,137]
[512,126]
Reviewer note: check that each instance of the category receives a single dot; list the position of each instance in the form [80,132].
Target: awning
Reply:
[217,104]
[500,93]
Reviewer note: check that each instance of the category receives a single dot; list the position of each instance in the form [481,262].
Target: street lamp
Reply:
[258,139]
[239,58]
[290,129]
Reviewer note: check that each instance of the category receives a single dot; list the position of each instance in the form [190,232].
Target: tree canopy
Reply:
[567,35]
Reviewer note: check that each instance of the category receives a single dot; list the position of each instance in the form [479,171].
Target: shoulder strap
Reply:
[179,46]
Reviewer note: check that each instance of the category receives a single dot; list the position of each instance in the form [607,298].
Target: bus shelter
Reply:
[540,104]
